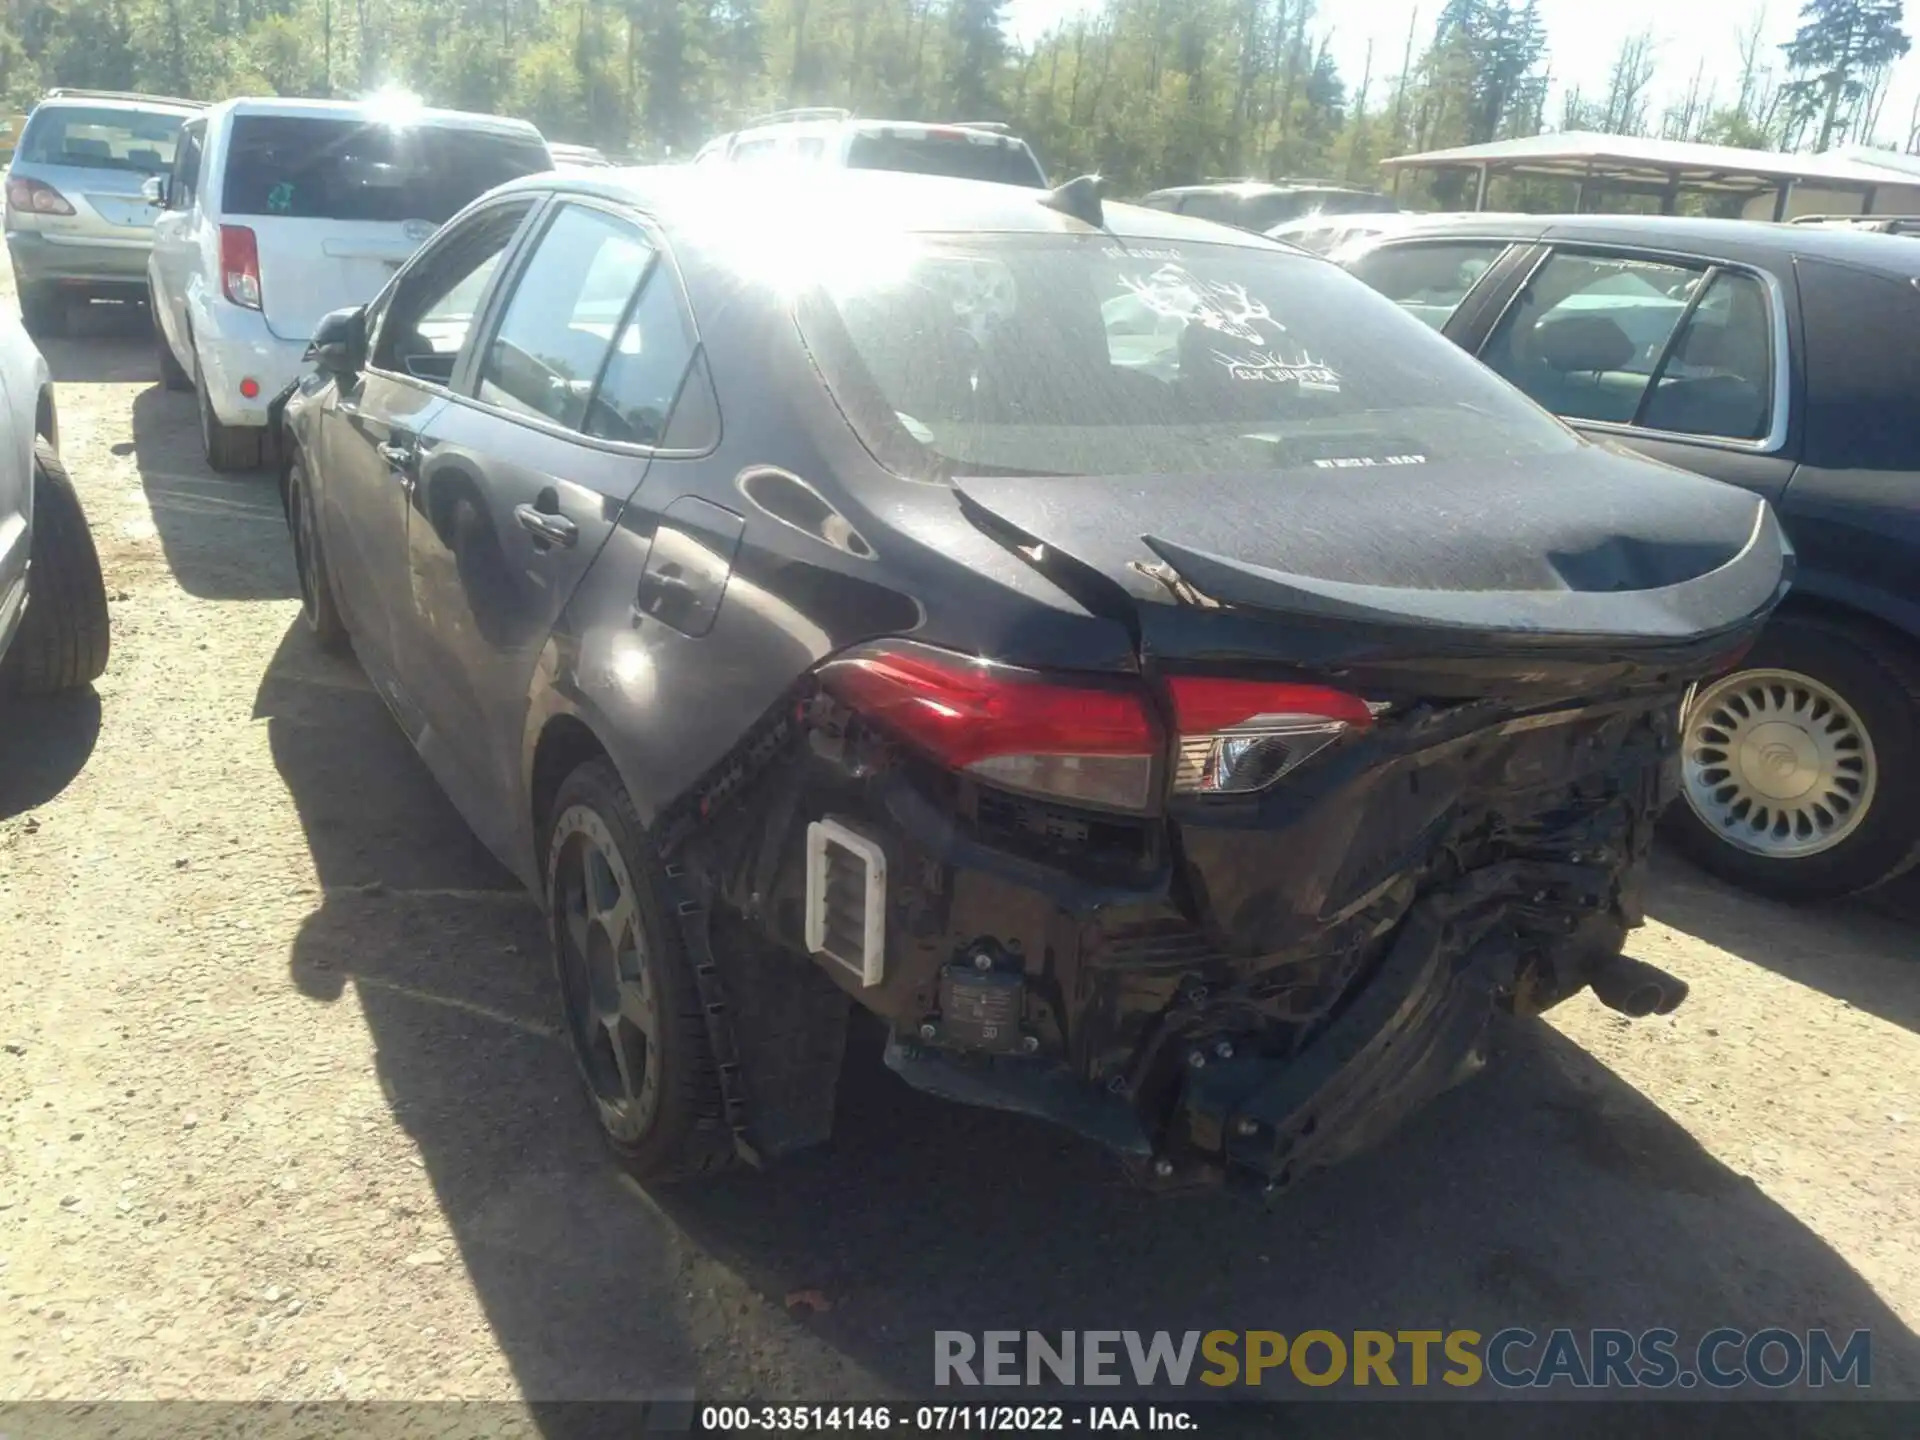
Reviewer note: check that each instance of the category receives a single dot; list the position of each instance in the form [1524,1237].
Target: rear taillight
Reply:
[1078,743]
[240,266]
[1239,736]
[36,197]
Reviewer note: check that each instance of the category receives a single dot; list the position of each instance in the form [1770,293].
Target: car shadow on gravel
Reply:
[107,343]
[1865,951]
[48,741]
[211,527]
[1546,1192]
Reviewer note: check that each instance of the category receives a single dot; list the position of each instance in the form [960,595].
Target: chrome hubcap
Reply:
[606,976]
[1778,763]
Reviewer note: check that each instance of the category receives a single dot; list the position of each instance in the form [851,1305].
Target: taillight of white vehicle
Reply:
[1239,736]
[1082,743]
[36,197]
[240,266]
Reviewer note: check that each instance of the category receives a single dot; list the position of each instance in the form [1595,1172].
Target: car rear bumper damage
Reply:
[1255,989]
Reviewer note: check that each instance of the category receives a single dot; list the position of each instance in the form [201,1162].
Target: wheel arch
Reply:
[1802,604]
[565,742]
[46,416]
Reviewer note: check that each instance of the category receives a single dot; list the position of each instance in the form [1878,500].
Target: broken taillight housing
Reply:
[1079,742]
[1239,736]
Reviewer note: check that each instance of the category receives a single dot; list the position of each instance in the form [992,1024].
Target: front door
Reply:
[377,434]
[527,472]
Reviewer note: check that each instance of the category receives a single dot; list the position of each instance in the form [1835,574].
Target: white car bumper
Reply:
[235,346]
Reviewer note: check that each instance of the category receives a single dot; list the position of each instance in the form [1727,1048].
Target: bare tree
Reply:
[1627,86]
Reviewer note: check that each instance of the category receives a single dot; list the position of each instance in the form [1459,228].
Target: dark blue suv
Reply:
[1783,359]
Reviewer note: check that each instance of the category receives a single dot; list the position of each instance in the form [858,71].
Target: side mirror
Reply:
[154,190]
[339,344]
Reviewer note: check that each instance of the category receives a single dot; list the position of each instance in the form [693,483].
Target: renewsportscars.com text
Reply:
[1514,1358]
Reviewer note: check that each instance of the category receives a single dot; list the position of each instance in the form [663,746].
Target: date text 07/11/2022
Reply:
[943,1419]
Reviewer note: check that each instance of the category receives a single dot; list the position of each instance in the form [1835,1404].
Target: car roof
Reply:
[1265,187]
[691,199]
[1750,240]
[374,109]
[118,102]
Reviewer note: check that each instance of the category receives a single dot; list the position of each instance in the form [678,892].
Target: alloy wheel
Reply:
[1777,763]
[607,981]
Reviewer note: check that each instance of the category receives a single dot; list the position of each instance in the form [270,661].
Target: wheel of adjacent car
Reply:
[63,640]
[317,608]
[632,1007]
[43,311]
[228,447]
[1799,771]
[173,375]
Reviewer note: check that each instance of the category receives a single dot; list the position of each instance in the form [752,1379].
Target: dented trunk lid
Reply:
[1533,578]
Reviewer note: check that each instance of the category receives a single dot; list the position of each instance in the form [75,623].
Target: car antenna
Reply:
[1080,198]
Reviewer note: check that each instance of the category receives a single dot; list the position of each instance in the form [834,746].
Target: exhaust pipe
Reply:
[1636,988]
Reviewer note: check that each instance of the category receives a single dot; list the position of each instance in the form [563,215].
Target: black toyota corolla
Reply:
[1175,690]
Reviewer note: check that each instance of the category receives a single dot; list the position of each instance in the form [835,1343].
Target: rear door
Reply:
[175,246]
[338,204]
[525,474]
[1678,358]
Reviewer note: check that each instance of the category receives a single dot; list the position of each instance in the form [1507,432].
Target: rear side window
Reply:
[559,326]
[1070,354]
[1585,333]
[108,138]
[1862,368]
[958,154]
[307,167]
[1429,282]
[185,185]
[643,374]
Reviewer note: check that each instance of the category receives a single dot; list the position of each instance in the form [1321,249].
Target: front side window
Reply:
[107,138]
[320,168]
[1585,333]
[559,326]
[1862,367]
[1062,354]
[1428,281]
[436,302]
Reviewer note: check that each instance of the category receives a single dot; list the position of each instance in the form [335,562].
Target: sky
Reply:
[1582,37]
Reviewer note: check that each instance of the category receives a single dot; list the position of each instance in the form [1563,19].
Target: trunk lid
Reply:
[1501,576]
[311,267]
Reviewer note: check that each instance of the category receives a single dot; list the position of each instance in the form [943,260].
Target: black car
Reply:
[1177,692]
[1261,205]
[1781,358]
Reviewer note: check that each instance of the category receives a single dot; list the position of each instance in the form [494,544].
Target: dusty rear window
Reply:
[317,168]
[1081,355]
[107,138]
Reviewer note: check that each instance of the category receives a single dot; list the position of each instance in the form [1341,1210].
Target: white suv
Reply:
[966,149]
[279,211]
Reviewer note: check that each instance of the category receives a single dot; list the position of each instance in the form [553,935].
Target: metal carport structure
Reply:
[1665,169]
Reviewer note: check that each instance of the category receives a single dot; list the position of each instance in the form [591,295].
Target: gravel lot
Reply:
[284,1114]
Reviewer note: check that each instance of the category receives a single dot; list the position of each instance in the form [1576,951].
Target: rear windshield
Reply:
[108,138]
[958,156]
[324,169]
[1081,355]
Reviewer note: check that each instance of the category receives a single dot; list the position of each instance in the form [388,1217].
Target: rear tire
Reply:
[228,447]
[173,375]
[63,639]
[317,608]
[631,1002]
[1873,730]
[43,311]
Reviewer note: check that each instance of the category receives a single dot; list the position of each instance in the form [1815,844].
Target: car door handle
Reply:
[397,456]
[547,527]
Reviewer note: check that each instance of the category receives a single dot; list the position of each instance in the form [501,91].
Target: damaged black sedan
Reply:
[1179,693]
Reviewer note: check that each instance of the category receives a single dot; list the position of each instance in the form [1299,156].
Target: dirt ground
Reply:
[284,1113]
